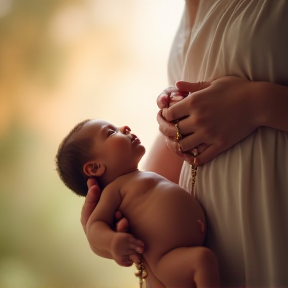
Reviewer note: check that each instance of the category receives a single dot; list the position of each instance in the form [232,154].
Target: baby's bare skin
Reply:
[159,212]
[167,219]
[163,215]
[149,201]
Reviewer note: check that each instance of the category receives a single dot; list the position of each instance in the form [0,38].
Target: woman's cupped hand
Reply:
[211,116]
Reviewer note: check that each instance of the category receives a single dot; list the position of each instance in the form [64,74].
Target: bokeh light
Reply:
[62,62]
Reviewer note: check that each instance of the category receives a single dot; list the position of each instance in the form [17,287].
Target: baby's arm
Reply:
[121,246]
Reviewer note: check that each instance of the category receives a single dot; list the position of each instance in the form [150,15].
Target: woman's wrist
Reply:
[270,102]
[256,101]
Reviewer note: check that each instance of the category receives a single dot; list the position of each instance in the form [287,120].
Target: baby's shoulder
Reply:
[112,187]
[147,180]
[151,175]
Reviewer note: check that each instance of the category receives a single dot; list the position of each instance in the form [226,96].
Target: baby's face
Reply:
[115,146]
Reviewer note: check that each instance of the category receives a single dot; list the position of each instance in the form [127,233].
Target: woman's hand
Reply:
[89,205]
[213,117]
[90,202]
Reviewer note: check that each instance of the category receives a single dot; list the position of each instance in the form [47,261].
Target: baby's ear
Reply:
[94,169]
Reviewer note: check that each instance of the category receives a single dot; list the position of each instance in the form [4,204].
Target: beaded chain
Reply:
[193,171]
[141,273]
[193,168]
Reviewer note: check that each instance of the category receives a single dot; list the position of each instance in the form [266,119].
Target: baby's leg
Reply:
[152,281]
[187,268]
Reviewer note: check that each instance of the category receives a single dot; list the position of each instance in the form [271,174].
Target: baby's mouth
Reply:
[134,138]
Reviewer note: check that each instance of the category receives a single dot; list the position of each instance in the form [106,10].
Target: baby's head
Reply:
[72,154]
[97,149]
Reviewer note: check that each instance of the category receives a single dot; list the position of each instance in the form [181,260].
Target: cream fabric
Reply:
[244,190]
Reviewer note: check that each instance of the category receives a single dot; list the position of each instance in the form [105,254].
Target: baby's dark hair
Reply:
[72,154]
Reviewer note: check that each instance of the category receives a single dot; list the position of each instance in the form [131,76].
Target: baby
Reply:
[164,216]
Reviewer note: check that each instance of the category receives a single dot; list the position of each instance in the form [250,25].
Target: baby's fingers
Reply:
[125,261]
[135,258]
[164,99]
[136,245]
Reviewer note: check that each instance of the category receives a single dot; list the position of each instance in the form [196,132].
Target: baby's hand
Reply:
[176,97]
[125,249]
[169,97]
[122,224]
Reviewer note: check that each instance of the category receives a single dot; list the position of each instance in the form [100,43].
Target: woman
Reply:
[233,57]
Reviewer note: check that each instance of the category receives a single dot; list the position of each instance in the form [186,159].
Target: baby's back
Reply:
[161,214]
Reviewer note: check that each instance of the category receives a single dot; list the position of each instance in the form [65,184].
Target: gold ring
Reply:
[178,134]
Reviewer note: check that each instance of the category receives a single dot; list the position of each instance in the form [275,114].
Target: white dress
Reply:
[244,190]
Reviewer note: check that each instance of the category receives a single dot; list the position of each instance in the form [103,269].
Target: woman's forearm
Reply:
[163,160]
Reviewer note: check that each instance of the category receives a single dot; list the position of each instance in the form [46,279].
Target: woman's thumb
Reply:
[184,86]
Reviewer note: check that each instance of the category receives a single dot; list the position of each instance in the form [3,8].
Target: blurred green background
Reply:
[62,61]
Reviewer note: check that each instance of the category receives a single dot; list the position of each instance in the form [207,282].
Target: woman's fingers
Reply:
[203,157]
[90,203]
[91,182]
[166,128]
[202,147]
[191,87]
[178,110]
[208,154]
[212,113]
[183,108]
[184,127]
[187,151]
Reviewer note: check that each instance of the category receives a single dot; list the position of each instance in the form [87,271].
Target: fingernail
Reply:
[177,98]
[139,250]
